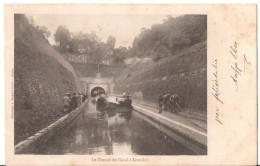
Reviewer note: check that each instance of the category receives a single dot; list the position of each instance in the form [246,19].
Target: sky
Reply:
[123,27]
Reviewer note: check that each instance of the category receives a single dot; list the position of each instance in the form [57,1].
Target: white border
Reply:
[2,2]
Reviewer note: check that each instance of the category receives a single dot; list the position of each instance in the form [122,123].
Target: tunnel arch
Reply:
[95,90]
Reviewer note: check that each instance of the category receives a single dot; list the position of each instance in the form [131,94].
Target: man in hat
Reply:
[73,102]
[66,102]
[128,102]
[161,100]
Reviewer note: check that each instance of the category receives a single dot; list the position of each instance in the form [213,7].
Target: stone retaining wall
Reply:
[45,134]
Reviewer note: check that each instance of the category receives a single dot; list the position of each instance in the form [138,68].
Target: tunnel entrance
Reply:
[96,91]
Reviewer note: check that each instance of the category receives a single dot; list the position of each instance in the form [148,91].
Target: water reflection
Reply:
[121,132]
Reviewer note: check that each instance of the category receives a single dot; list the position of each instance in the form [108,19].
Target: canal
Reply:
[112,132]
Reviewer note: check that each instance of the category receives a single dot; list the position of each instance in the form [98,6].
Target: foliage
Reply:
[169,38]
[119,55]
[84,43]
[111,41]
[62,37]
[41,29]
[160,41]
[44,30]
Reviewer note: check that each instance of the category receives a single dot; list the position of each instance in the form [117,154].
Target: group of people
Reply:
[126,101]
[166,101]
[72,101]
[169,101]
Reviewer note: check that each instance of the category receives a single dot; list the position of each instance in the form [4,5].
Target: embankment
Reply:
[184,73]
[41,78]
[63,124]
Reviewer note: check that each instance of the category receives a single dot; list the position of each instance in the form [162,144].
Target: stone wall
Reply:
[184,74]
[91,69]
[40,81]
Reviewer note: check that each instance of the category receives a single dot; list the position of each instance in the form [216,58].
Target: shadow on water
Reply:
[112,132]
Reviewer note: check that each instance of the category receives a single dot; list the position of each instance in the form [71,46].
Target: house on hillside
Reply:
[79,58]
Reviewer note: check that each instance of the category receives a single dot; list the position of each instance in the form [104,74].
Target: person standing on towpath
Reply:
[160,100]
[73,102]
[66,103]
[79,99]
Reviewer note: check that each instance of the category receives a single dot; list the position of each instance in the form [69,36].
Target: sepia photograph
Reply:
[110,84]
[130,84]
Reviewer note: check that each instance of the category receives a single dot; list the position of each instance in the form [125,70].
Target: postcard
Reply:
[130,84]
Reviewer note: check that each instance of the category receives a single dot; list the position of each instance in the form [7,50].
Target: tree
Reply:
[44,30]
[31,21]
[119,55]
[41,29]
[111,41]
[62,37]
[170,37]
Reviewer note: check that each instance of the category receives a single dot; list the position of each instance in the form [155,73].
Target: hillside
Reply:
[185,73]
[42,77]
[171,37]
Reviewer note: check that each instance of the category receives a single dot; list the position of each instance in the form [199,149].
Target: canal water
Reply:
[112,132]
